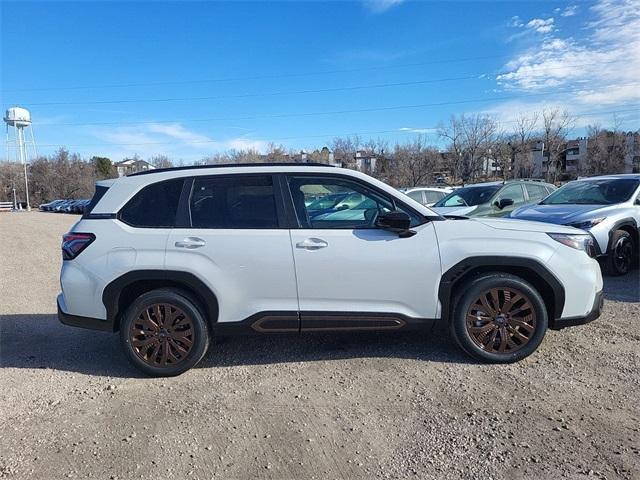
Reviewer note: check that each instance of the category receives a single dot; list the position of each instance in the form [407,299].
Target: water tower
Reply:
[19,119]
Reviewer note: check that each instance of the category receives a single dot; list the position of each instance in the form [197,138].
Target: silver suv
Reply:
[608,207]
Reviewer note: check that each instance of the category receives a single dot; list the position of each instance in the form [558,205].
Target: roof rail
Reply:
[227,165]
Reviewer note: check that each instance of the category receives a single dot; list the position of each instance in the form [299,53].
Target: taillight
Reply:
[74,243]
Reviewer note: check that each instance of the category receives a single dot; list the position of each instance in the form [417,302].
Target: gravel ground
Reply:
[320,406]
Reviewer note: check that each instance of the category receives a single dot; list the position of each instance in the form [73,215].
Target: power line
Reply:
[335,112]
[377,132]
[262,77]
[475,76]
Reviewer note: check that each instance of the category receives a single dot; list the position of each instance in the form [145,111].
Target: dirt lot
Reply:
[321,406]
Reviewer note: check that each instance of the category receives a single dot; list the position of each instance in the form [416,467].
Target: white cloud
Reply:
[379,6]
[602,66]
[418,130]
[570,11]
[171,139]
[178,132]
[541,25]
[516,22]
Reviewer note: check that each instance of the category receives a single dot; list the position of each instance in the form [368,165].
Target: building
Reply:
[575,155]
[132,165]
[366,161]
[632,152]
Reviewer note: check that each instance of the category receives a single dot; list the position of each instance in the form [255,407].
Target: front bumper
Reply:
[598,302]
[83,322]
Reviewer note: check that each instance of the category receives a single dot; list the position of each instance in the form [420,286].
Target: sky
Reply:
[188,79]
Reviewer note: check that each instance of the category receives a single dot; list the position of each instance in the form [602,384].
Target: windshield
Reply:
[606,191]
[468,196]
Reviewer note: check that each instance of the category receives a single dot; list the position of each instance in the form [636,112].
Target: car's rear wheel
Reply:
[499,318]
[620,258]
[163,333]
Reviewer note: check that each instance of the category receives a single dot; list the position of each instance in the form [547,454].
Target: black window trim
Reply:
[185,201]
[293,218]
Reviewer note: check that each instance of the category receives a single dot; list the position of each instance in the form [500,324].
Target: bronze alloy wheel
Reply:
[501,320]
[162,335]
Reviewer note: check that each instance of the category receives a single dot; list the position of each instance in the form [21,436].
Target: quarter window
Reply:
[154,206]
[238,201]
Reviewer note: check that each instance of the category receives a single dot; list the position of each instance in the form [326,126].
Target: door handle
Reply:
[312,244]
[191,242]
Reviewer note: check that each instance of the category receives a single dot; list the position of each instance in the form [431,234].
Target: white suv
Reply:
[172,257]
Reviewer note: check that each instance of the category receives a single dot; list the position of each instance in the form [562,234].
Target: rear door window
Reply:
[238,201]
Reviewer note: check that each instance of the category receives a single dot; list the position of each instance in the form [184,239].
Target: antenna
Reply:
[20,119]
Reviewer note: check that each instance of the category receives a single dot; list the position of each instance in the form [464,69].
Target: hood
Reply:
[462,211]
[525,226]
[560,214]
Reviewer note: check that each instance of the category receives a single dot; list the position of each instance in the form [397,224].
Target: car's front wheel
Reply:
[620,258]
[163,333]
[499,318]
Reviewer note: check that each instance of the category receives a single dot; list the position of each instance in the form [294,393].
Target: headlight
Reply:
[578,241]
[587,224]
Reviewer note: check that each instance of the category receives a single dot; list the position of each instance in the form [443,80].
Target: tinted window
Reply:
[154,206]
[468,196]
[605,191]
[514,192]
[536,192]
[358,206]
[239,201]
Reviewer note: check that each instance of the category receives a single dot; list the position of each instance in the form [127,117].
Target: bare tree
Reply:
[555,128]
[344,150]
[470,138]
[161,161]
[605,150]
[452,133]
[521,143]
[413,164]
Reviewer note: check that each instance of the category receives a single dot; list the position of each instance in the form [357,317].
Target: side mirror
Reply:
[503,202]
[396,221]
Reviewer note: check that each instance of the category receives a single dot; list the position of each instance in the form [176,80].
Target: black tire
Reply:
[620,257]
[181,343]
[523,331]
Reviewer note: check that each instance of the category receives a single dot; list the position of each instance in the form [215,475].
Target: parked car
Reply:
[171,257]
[60,207]
[607,207]
[492,199]
[76,206]
[428,195]
[47,207]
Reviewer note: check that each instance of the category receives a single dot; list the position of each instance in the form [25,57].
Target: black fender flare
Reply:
[625,222]
[510,264]
[188,281]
